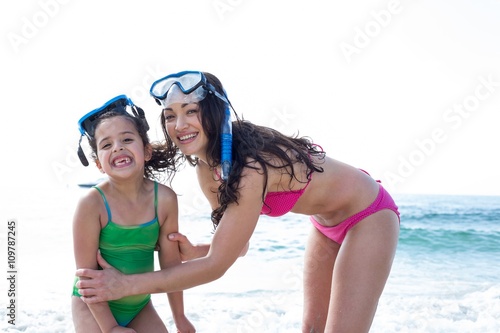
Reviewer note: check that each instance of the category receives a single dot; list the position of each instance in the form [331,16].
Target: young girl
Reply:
[125,217]
[355,222]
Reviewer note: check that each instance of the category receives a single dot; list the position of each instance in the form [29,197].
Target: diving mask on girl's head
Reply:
[192,87]
[119,104]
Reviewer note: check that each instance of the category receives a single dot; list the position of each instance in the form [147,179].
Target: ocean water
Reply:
[445,278]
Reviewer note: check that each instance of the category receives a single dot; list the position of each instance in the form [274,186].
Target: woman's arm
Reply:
[230,239]
[86,231]
[189,251]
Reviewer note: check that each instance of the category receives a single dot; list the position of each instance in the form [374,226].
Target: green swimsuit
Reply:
[129,249]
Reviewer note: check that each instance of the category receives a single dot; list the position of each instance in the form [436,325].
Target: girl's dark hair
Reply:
[251,143]
[161,162]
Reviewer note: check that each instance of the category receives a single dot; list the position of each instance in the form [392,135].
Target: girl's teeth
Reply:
[122,161]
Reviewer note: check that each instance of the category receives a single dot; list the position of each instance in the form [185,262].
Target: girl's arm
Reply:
[169,255]
[86,231]
[230,238]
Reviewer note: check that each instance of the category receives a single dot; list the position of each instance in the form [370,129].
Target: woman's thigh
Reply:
[319,260]
[361,270]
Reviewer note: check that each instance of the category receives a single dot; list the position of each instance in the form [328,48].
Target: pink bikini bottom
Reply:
[338,232]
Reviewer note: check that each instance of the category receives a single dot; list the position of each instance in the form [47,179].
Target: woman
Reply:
[355,230]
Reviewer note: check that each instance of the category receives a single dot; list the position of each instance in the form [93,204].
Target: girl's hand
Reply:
[184,325]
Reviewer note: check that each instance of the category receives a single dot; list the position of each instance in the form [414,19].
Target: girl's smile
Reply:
[121,161]
[121,147]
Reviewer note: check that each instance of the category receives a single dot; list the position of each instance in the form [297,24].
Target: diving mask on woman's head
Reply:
[183,87]
[119,104]
[192,87]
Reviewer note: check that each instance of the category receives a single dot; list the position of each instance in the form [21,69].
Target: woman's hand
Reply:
[186,249]
[100,285]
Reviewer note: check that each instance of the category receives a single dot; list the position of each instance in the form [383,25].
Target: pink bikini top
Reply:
[279,203]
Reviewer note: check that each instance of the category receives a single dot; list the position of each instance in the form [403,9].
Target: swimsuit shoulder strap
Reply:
[106,202]
[156,199]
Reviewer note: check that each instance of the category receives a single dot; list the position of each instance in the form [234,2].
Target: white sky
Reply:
[404,96]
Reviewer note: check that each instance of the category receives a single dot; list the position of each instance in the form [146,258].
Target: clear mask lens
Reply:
[176,95]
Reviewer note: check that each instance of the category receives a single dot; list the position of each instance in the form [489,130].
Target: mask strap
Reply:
[211,90]
[81,154]
[139,113]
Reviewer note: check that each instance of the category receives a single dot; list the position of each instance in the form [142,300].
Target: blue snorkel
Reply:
[226,137]
[226,144]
